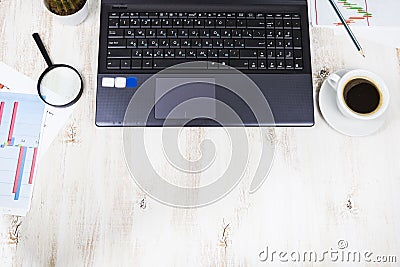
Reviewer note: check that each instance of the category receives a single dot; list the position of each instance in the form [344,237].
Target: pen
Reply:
[349,31]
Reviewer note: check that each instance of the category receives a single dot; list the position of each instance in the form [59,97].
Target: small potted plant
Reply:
[69,12]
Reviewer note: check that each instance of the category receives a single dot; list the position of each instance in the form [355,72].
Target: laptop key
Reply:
[124,15]
[137,53]
[153,43]
[204,33]
[296,23]
[271,64]
[151,33]
[158,53]
[269,23]
[245,53]
[119,53]
[289,64]
[117,43]
[191,53]
[259,34]
[262,64]
[256,23]
[147,53]
[212,53]
[241,23]
[254,43]
[188,23]
[229,43]
[113,64]
[183,33]
[129,33]
[132,43]
[134,23]
[239,63]
[125,64]
[202,53]
[145,23]
[153,15]
[166,23]
[113,23]
[140,33]
[280,53]
[161,33]
[251,15]
[215,33]
[142,43]
[124,23]
[113,15]
[262,54]
[239,43]
[177,23]
[166,63]
[280,64]
[297,38]
[233,53]
[271,53]
[297,54]
[278,23]
[136,63]
[147,64]
[298,64]
[116,33]
[253,64]
[181,53]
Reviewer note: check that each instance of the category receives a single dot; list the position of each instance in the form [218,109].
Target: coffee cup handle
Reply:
[333,80]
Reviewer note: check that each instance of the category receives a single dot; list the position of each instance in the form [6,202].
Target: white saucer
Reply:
[342,124]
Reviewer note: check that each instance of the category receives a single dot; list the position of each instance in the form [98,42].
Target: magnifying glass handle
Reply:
[42,49]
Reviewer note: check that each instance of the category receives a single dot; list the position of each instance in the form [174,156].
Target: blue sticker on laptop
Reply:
[131,82]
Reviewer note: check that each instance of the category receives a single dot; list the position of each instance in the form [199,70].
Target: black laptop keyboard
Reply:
[250,41]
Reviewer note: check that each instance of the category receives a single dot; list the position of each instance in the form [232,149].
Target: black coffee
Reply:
[361,96]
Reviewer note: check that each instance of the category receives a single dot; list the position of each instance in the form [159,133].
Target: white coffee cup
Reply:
[341,81]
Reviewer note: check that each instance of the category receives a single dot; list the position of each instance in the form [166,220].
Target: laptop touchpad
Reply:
[185,98]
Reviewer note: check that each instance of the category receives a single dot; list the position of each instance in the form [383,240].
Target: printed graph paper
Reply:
[21,117]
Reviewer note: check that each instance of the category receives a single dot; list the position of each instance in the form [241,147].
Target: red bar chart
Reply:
[12,124]
[1,110]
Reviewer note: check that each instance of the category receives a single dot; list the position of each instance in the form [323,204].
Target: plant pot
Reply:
[73,19]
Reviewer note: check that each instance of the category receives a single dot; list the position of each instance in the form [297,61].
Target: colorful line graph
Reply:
[21,117]
[356,12]
[361,13]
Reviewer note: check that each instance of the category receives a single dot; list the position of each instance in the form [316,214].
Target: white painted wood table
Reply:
[87,211]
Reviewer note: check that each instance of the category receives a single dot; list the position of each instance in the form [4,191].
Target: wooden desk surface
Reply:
[87,211]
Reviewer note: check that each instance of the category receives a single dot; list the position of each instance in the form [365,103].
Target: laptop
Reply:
[265,41]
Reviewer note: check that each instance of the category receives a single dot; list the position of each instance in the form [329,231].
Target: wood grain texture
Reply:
[87,211]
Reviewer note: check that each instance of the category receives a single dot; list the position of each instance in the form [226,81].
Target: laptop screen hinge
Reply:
[119,7]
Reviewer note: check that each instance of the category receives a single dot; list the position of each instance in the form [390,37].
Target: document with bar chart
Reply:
[356,12]
[21,118]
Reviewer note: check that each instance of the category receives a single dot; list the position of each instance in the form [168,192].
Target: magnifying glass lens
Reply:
[60,86]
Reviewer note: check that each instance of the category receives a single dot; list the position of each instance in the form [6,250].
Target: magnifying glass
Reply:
[59,85]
